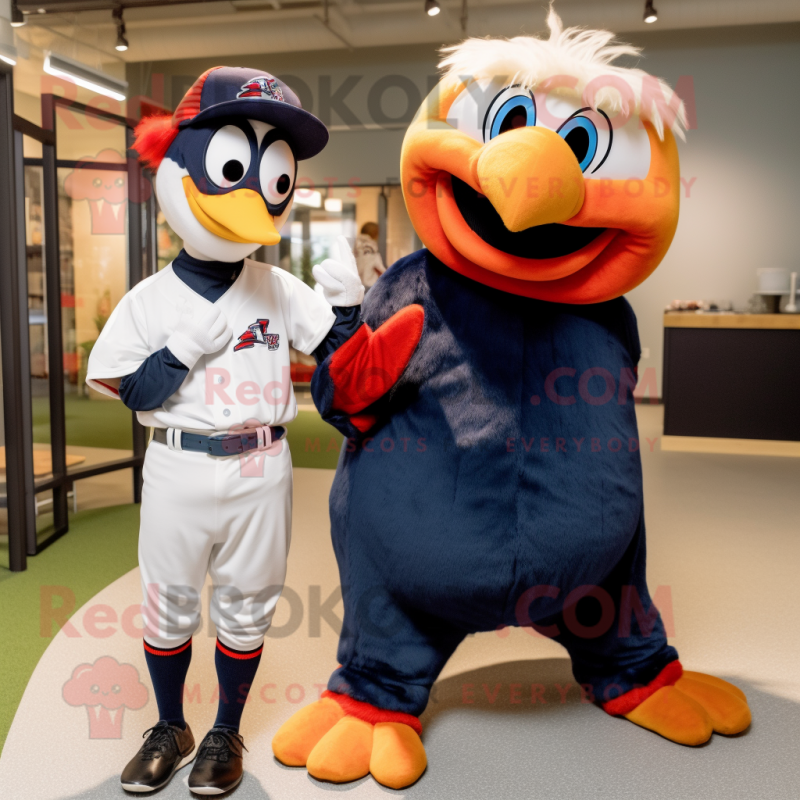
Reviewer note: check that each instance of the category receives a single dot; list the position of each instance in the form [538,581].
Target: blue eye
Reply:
[580,134]
[517,112]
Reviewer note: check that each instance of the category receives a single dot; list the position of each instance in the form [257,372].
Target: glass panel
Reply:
[308,239]
[31,148]
[401,239]
[312,232]
[37,334]
[85,137]
[93,213]
[37,308]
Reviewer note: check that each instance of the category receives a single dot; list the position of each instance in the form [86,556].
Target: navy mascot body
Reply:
[496,479]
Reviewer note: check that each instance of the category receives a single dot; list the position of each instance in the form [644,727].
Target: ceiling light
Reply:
[650,14]
[333,204]
[432,7]
[84,76]
[122,42]
[8,60]
[17,17]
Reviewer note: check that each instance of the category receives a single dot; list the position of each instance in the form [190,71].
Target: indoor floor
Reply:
[723,548]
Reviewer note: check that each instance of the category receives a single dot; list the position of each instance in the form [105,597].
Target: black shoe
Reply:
[167,749]
[218,766]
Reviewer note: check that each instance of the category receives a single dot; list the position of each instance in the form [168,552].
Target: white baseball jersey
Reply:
[247,380]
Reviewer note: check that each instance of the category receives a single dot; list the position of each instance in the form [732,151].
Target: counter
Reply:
[732,383]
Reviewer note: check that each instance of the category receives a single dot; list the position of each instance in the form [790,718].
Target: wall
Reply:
[740,161]
[743,205]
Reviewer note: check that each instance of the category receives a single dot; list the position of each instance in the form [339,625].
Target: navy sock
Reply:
[168,670]
[236,670]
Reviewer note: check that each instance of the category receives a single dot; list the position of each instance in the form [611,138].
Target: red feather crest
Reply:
[154,135]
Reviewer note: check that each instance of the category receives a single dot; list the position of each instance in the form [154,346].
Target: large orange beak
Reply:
[622,228]
[238,216]
[531,177]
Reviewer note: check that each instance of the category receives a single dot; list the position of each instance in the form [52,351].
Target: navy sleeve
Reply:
[348,320]
[322,390]
[159,376]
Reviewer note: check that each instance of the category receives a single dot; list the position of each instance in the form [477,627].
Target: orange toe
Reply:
[343,753]
[714,681]
[398,756]
[675,716]
[298,736]
[728,711]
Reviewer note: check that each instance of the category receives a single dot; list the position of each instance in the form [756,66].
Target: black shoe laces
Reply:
[219,744]
[161,741]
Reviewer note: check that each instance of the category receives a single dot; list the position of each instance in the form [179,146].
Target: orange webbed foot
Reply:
[694,708]
[339,747]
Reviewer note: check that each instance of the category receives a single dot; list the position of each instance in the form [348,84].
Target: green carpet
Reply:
[90,423]
[99,548]
[313,442]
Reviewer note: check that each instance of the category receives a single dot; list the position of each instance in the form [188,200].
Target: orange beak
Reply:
[531,177]
[238,216]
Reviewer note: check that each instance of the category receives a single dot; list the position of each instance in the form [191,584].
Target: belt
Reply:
[221,444]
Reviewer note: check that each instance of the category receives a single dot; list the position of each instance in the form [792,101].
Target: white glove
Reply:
[338,276]
[197,335]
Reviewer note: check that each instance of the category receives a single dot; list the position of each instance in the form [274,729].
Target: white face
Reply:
[606,148]
[228,146]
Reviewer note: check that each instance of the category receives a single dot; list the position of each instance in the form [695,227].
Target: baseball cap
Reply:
[242,92]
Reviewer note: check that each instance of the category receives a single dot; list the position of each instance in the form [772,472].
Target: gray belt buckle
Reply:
[231,444]
[237,443]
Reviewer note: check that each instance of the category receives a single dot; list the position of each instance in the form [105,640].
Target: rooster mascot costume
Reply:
[544,184]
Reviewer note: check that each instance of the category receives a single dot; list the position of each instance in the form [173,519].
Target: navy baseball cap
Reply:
[242,92]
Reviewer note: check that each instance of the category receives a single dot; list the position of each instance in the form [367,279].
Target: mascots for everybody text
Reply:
[497,482]
[201,351]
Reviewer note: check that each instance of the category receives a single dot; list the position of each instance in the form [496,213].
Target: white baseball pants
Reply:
[221,516]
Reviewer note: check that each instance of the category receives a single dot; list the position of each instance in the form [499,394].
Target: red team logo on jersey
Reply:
[262,88]
[257,334]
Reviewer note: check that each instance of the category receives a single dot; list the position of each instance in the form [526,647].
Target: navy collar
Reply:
[210,279]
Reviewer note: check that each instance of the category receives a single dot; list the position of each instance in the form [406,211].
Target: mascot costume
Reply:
[201,352]
[544,184]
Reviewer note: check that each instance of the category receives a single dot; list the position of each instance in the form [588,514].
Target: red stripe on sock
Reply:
[240,656]
[155,652]
[625,703]
[373,714]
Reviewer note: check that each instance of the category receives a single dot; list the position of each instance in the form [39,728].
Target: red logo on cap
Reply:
[262,88]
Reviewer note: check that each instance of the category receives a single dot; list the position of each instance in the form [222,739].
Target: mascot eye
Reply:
[97,182]
[94,688]
[120,182]
[227,156]
[580,133]
[277,171]
[512,108]
[116,688]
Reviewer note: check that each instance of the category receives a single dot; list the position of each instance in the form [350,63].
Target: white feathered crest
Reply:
[584,55]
